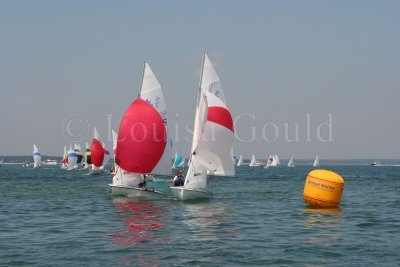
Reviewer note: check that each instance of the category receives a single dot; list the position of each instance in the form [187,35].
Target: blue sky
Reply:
[278,61]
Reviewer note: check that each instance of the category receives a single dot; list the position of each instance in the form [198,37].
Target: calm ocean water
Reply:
[53,217]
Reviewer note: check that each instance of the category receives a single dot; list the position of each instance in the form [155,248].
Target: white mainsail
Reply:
[210,82]
[114,139]
[37,157]
[211,147]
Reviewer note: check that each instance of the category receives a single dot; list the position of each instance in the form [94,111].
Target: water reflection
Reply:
[142,218]
[323,224]
[208,222]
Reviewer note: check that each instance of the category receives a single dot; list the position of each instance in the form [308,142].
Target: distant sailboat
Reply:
[78,151]
[97,154]
[64,162]
[275,160]
[142,150]
[178,160]
[72,158]
[316,162]
[253,161]
[182,164]
[240,161]
[88,157]
[269,161]
[37,157]
[291,162]
[212,138]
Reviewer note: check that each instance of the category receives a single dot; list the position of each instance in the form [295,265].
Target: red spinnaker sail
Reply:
[142,138]
[97,153]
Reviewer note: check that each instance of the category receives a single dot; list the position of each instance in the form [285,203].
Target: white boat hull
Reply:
[182,193]
[119,190]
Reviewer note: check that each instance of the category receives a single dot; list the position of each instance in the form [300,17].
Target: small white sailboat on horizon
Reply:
[64,162]
[240,161]
[212,138]
[269,161]
[72,159]
[37,157]
[254,162]
[316,162]
[275,160]
[142,150]
[291,162]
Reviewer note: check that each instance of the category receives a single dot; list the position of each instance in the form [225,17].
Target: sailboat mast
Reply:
[196,115]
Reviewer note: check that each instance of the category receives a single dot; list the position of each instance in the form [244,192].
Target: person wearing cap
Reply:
[179,180]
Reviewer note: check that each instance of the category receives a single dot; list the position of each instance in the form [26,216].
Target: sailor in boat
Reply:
[112,170]
[179,179]
[143,183]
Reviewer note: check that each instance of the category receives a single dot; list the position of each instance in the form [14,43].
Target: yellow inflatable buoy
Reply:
[323,189]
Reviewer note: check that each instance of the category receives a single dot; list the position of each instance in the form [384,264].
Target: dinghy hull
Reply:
[118,190]
[189,194]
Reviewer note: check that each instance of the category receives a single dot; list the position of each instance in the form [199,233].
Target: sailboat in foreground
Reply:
[142,145]
[212,138]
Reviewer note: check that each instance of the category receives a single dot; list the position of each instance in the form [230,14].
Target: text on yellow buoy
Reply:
[323,189]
